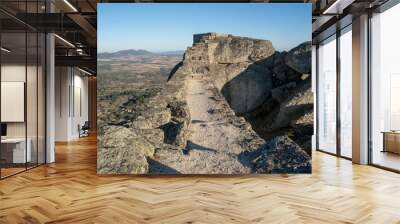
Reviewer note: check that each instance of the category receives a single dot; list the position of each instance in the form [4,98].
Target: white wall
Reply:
[12,73]
[79,115]
[70,83]
[62,82]
[33,126]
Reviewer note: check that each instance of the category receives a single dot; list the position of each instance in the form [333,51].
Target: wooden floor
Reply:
[69,191]
[5,172]
[386,159]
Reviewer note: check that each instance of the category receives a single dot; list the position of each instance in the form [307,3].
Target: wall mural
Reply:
[204,88]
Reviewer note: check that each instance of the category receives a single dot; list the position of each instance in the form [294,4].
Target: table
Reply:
[13,150]
[391,141]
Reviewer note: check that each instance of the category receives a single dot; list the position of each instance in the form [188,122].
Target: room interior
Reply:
[25,66]
[385,87]
[336,85]
[22,101]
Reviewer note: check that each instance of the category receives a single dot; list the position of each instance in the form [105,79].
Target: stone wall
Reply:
[201,37]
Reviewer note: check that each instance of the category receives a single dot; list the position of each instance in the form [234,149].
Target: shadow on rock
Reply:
[174,69]
[193,146]
[197,122]
[248,89]
[279,155]
[159,168]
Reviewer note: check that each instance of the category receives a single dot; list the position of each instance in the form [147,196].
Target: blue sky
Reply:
[168,27]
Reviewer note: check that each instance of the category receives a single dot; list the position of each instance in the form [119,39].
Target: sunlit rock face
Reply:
[246,70]
[230,62]
[257,115]
[271,89]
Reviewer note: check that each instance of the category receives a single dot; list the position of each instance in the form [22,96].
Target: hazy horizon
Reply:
[157,27]
[139,50]
[163,51]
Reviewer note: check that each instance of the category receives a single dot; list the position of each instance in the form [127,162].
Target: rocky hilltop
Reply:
[271,89]
[232,106]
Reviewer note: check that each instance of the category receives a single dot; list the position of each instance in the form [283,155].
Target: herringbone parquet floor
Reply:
[69,191]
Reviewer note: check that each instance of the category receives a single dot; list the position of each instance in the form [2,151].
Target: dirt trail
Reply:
[213,145]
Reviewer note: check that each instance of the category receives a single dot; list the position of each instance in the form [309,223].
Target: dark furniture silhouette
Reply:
[84,130]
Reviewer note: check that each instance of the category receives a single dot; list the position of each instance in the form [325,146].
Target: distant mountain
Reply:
[124,53]
[131,52]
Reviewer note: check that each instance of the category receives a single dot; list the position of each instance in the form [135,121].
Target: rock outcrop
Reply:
[246,70]
[271,89]
[299,58]
[249,102]
[145,121]
[279,155]
[123,151]
[230,61]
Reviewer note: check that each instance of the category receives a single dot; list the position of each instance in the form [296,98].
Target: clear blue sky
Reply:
[168,27]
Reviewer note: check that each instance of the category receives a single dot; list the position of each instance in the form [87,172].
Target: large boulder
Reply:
[175,133]
[295,101]
[123,151]
[240,49]
[153,136]
[232,64]
[248,90]
[223,73]
[152,118]
[282,155]
[179,109]
[299,58]
[215,49]
[281,93]
[279,74]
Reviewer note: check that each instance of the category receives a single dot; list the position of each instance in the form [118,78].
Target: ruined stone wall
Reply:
[201,37]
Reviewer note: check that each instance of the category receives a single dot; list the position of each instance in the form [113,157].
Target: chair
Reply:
[84,130]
